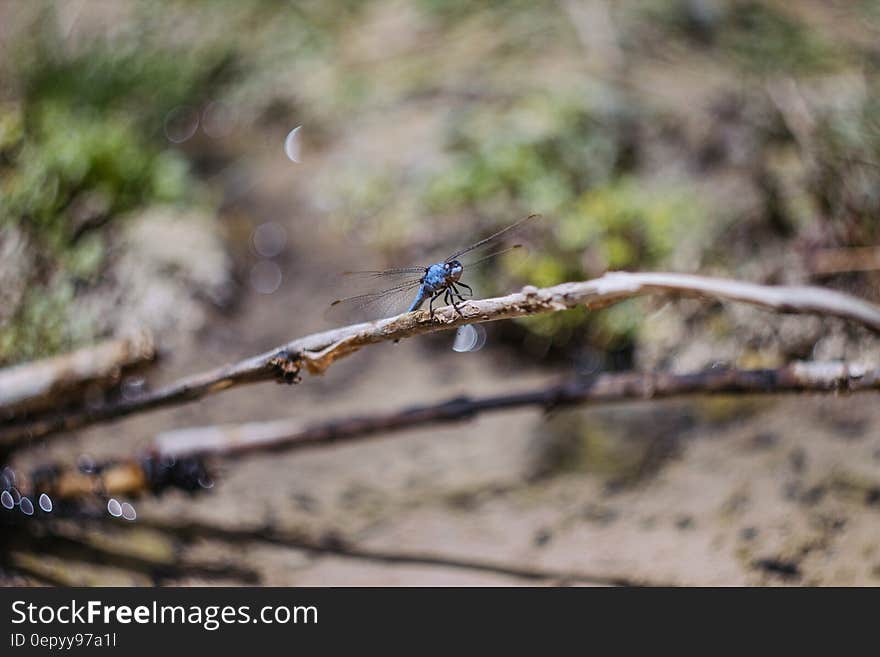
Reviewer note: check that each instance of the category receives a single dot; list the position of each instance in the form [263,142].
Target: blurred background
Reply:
[202,170]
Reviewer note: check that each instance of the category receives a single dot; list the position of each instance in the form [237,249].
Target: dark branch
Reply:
[289,434]
[331,544]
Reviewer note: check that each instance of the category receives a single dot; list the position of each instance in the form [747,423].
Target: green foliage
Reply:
[68,153]
[41,326]
[135,73]
[620,226]
[452,10]
[846,177]
[81,145]
[763,40]
[88,124]
[536,156]
[752,35]
[631,224]
[568,160]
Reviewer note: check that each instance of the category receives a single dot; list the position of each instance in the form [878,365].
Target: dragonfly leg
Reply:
[431,305]
[466,286]
[451,293]
[457,292]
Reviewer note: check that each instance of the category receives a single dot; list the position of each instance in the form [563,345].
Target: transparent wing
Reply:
[494,237]
[517,250]
[371,305]
[475,275]
[384,273]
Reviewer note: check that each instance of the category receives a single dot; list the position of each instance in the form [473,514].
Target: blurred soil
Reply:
[727,491]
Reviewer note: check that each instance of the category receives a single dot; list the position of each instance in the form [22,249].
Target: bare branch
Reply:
[53,381]
[290,434]
[335,545]
[834,261]
[318,351]
[68,553]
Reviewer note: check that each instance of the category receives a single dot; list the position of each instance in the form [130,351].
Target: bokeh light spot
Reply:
[266,277]
[181,123]
[218,120]
[470,337]
[128,511]
[45,503]
[269,239]
[293,145]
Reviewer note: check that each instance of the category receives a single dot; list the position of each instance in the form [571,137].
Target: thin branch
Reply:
[290,434]
[58,552]
[334,545]
[834,261]
[319,351]
[53,381]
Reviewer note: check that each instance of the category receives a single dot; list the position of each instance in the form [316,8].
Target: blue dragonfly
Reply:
[428,283]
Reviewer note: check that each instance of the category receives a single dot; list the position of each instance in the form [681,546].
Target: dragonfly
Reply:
[429,283]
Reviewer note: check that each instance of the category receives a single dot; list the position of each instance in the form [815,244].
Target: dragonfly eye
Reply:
[454,269]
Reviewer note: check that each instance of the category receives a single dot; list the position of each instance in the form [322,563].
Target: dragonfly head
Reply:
[453,270]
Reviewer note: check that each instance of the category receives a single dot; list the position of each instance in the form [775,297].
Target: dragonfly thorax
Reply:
[441,275]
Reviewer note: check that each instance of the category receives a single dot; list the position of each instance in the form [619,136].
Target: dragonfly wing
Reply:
[517,250]
[372,305]
[473,271]
[487,241]
[384,273]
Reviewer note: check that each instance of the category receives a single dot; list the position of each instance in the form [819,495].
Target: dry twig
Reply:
[34,386]
[290,434]
[316,352]
[335,545]
[834,261]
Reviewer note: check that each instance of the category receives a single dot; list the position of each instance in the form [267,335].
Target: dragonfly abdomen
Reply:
[420,299]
